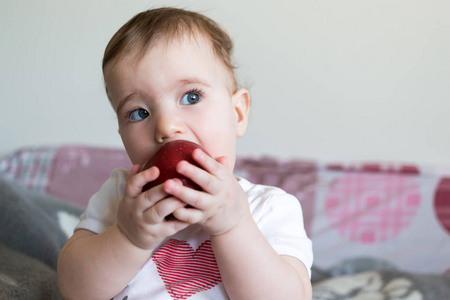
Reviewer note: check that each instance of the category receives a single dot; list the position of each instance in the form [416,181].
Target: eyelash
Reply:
[195,91]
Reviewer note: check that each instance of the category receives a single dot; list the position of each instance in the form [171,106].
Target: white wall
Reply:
[330,80]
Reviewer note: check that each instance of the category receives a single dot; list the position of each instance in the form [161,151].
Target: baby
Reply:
[169,76]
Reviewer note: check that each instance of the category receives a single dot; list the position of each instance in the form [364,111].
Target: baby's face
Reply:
[179,90]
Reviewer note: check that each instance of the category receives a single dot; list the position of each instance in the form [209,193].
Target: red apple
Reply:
[167,158]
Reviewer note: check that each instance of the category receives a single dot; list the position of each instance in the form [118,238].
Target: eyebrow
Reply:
[193,81]
[123,102]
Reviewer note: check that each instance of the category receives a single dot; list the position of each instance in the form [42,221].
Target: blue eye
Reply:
[190,98]
[138,114]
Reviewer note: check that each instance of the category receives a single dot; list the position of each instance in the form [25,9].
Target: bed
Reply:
[379,230]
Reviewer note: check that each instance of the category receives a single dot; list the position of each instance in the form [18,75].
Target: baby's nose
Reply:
[167,126]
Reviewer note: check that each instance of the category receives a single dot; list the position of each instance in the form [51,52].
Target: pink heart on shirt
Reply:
[186,271]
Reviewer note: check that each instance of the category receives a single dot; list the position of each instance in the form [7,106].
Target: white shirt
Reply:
[183,266]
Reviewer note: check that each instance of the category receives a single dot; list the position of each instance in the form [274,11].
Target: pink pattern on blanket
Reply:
[442,203]
[29,167]
[372,207]
[78,172]
[296,177]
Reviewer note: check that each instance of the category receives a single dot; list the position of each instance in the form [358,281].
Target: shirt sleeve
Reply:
[101,211]
[279,217]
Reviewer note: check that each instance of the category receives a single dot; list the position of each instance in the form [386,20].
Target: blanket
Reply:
[379,231]
[35,226]
[366,279]
[34,229]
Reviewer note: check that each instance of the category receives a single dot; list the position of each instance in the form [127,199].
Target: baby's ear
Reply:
[241,103]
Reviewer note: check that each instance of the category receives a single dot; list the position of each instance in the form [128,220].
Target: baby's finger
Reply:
[168,228]
[189,215]
[197,199]
[223,161]
[208,182]
[209,164]
[136,182]
[152,196]
[158,212]
[134,170]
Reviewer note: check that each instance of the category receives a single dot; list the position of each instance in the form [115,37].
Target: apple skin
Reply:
[167,158]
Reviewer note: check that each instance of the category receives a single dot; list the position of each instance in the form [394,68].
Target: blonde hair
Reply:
[167,23]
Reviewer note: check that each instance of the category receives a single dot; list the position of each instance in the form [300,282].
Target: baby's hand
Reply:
[141,215]
[220,206]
